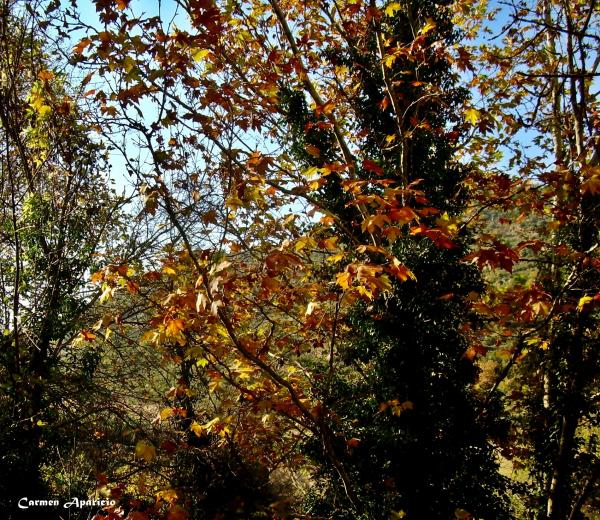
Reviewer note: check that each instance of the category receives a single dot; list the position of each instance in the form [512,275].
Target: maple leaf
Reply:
[402,215]
[392,8]
[472,115]
[374,222]
[313,150]
[591,185]
[343,280]
[353,442]
[45,75]
[88,335]
[81,46]
[429,26]
[372,166]
[133,515]
[175,327]
[199,54]
[145,450]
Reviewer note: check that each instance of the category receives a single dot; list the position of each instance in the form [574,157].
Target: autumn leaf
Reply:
[169,270]
[311,307]
[472,115]
[177,513]
[429,26]
[372,166]
[174,327]
[81,46]
[197,429]
[165,414]
[374,222]
[145,450]
[45,75]
[88,335]
[343,280]
[591,185]
[313,150]
[200,54]
[583,301]
[392,8]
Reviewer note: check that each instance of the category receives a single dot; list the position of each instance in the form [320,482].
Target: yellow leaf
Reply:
[209,425]
[389,60]
[334,259]
[391,9]
[169,270]
[448,224]
[343,280]
[382,283]
[168,495]
[197,429]
[234,203]
[331,243]
[44,110]
[128,64]
[313,171]
[428,27]
[165,414]
[106,293]
[583,301]
[303,242]
[175,326]
[374,221]
[363,291]
[144,450]
[200,54]
[472,115]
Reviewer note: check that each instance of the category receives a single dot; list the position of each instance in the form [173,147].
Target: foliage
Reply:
[57,214]
[360,270]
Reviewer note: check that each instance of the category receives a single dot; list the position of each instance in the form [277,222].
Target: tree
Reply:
[57,214]
[261,297]
[541,111]
[403,397]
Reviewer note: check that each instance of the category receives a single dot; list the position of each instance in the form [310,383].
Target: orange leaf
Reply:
[88,335]
[174,327]
[80,47]
[313,150]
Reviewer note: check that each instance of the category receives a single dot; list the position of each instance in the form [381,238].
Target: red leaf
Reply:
[372,166]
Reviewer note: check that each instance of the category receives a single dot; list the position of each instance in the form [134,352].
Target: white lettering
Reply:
[74,501]
[25,503]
